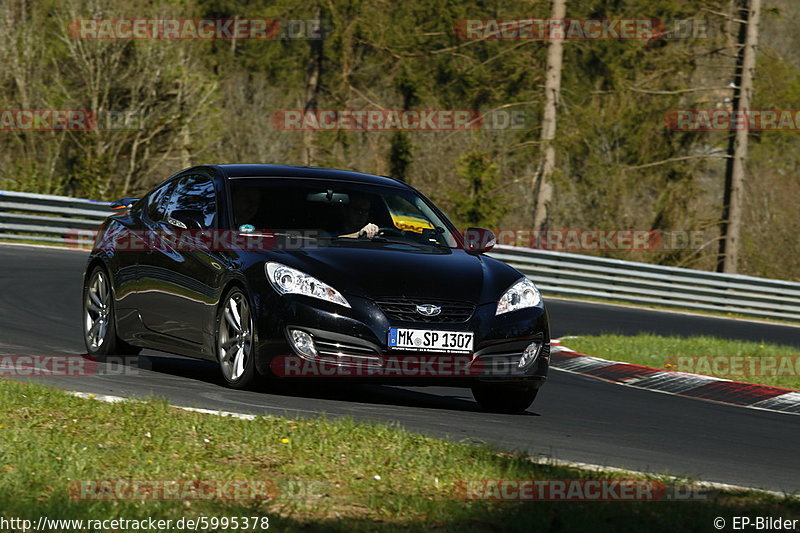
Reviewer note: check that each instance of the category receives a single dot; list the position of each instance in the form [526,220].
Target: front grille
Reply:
[341,348]
[336,348]
[405,310]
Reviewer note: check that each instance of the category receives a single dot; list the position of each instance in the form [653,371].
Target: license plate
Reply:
[431,341]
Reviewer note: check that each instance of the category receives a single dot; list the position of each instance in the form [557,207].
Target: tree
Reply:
[312,91]
[731,227]
[542,185]
[478,203]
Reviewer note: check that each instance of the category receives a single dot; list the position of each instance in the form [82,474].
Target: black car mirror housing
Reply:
[479,240]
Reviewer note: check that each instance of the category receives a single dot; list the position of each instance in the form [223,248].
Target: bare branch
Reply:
[674,160]
[677,91]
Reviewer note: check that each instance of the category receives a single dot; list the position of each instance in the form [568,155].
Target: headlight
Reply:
[287,280]
[520,295]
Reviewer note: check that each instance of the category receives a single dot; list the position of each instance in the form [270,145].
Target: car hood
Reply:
[397,271]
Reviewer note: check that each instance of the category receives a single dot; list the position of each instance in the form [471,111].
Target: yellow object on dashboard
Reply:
[410,223]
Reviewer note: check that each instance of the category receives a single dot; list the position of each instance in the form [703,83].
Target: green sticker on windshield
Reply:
[247,228]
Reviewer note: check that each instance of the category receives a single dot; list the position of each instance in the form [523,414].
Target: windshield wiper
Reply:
[411,242]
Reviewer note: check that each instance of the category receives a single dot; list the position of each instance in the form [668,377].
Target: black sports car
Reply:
[277,271]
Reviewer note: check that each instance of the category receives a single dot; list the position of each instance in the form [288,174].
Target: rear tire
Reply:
[99,321]
[234,343]
[506,398]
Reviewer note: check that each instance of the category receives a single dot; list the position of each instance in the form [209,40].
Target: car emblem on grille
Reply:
[429,309]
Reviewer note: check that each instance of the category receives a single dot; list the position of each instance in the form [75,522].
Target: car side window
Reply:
[194,196]
[156,202]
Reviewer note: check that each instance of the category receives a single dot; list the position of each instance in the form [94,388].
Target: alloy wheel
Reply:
[97,309]
[235,337]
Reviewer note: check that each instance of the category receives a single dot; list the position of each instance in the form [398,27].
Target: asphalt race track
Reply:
[574,418]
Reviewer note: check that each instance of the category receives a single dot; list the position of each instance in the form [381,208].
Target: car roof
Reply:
[287,171]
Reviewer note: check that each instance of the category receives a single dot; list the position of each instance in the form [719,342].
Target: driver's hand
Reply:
[369,231]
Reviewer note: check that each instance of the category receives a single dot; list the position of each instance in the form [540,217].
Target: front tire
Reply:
[509,398]
[235,341]
[99,322]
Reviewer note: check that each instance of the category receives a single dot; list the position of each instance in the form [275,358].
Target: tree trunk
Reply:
[185,135]
[312,91]
[731,224]
[542,185]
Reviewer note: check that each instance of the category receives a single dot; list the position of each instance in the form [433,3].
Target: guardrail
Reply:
[558,273]
[44,218]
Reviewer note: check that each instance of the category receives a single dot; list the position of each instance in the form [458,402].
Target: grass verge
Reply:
[751,362]
[333,475]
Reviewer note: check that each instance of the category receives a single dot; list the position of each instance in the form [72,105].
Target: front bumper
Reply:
[355,341]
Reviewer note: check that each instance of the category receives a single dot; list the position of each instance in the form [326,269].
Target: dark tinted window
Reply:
[194,194]
[335,209]
[156,201]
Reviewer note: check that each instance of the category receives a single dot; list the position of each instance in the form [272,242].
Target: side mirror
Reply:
[124,203]
[479,240]
[187,219]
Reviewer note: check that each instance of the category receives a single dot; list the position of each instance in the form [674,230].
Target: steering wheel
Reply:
[387,232]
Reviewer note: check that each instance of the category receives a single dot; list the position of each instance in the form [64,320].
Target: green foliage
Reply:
[478,203]
[618,165]
[92,173]
[400,156]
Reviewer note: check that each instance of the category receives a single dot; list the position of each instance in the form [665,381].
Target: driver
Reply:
[246,205]
[356,218]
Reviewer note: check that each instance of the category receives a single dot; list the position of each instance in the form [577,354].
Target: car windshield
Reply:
[339,213]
